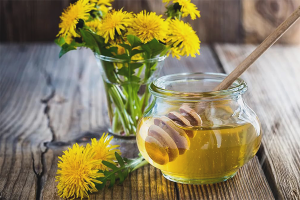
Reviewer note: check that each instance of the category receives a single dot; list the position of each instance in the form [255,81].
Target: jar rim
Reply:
[239,87]
[119,60]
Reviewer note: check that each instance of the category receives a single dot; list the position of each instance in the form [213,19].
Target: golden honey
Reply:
[214,153]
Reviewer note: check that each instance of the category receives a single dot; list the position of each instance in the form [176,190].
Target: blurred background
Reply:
[222,21]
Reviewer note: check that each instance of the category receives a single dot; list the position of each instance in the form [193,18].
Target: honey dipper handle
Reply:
[268,42]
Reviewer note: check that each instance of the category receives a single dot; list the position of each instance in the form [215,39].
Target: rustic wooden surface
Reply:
[47,104]
[221,20]
[274,82]
[261,17]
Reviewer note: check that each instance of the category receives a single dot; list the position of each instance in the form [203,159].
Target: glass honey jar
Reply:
[194,135]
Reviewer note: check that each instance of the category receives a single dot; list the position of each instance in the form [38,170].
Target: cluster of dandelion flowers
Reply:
[114,23]
[77,174]
[71,16]
[103,150]
[183,39]
[148,26]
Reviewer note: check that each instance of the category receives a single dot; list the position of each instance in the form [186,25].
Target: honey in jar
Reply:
[194,141]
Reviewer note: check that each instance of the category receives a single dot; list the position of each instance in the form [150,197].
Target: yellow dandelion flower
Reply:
[104,10]
[114,22]
[104,151]
[121,50]
[71,16]
[103,5]
[68,39]
[94,25]
[77,174]
[188,8]
[148,26]
[175,52]
[166,1]
[102,2]
[183,38]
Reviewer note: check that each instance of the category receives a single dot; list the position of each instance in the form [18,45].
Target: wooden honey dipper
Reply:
[165,141]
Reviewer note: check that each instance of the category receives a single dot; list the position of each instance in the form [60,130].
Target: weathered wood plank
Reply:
[23,125]
[274,95]
[261,17]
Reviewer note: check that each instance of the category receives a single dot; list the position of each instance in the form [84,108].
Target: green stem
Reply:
[146,95]
[117,99]
[141,162]
[115,122]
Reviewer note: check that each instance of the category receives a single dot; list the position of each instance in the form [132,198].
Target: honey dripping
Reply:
[165,141]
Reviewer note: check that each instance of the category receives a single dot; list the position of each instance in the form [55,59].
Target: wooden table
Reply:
[47,104]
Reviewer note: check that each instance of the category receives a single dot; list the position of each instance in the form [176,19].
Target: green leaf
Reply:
[91,40]
[134,41]
[119,159]
[113,49]
[112,181]
[66,48]
[110,165]
[136,51]
[119,172]
[135,79]
[60,41]
[153,48]
[123,56]
[136,65]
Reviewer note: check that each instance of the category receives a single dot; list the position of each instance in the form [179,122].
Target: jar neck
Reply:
[196,87]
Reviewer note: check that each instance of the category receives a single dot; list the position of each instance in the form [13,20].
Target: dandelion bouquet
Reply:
[130,49]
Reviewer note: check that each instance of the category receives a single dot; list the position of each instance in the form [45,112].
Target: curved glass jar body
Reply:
[196,136]
[126,86]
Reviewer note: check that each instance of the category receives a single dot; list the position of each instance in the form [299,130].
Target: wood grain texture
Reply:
[47,104]
[274,95]
[257,52]
[23,125]
[261,17]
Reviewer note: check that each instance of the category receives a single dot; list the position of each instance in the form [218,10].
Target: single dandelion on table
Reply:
[148,26]
[103,150]
[77,175]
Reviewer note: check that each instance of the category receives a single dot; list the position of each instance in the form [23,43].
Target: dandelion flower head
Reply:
[77,174]
[183,38]
[103,150]
[188,8]
[103,5]
[114,22]
[71,16]
[148,26]
[102,2]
